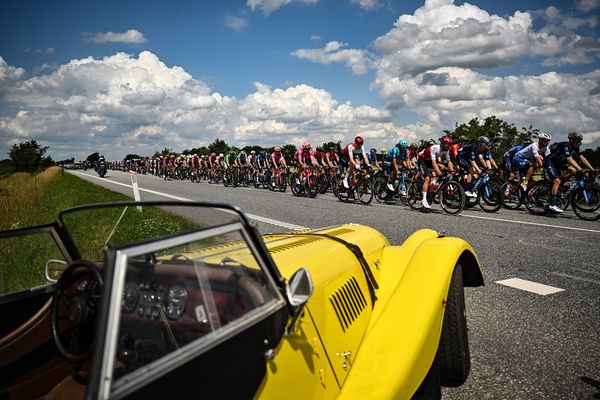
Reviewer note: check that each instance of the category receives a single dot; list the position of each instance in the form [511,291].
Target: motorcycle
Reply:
[101,168]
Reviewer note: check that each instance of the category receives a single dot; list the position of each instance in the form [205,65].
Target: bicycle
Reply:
[447,191]
[306,185]
[360,188]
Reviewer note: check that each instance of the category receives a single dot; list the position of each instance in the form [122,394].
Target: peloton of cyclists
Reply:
[431,163]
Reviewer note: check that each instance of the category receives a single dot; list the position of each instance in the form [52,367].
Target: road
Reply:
[525,342]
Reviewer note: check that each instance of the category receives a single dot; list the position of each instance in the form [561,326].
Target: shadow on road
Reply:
[594,383]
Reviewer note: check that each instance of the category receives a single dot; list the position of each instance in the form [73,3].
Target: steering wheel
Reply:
[78,292]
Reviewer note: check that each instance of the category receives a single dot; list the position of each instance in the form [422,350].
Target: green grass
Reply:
[28,200]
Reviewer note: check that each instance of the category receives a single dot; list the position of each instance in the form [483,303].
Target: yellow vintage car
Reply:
[202,306]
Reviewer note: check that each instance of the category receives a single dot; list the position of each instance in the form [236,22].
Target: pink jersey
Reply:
[275,157]
[306,155]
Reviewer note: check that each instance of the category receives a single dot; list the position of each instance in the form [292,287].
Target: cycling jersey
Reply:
[434,152]
[372,158]
[472,152]
[396,153]
[276,158]
[242,158]
[212,159]
[559,152]
[531,151]
[351,149]
[195,161]
[306,155]
[332,156]
[508,156]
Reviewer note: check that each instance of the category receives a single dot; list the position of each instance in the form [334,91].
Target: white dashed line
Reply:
[531,223]
[253,217]
[578,278]
[530,286]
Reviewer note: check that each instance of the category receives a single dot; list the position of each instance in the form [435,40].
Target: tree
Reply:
[503,135]
[163,152]
[218,146]
[132,157]
[593,156]
[337,145]
[93,158]
[29,156]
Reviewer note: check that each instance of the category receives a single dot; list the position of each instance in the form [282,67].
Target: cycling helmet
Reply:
[446,140]
[213,154]
[220,154]
[358,140]
[484,140]
[253,152]
[306,145]
[575,136]
[414,146]
[373,150]
[242,152]
[544,135]
[384,150]
[277,149]
[402,143]
[462,139]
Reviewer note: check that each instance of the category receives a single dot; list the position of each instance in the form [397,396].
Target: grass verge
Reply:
[29,200]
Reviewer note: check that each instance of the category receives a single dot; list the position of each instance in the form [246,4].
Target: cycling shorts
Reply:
[426,166]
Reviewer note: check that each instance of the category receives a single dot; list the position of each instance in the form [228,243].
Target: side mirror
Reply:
[299,288]
[54,268]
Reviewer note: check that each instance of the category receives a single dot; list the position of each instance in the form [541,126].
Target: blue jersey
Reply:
[397,154]
[511,153]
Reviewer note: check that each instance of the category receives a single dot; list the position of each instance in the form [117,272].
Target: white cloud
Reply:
[132,36]
[587,5]
[235,23]
[442,34]
[315,37]
[366,4]
[357,59]
[269,6]
[123,103]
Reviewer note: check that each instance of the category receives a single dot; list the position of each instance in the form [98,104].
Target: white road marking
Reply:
[530,286]
[258,218]
[578,278]
[530,223]
[587,270]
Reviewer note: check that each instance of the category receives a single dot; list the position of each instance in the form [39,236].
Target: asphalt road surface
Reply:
[540,339]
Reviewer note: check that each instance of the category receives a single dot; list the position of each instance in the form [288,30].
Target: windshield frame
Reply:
[105,341]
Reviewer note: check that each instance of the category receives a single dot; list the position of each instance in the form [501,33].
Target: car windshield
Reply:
[194,288]
[91,229]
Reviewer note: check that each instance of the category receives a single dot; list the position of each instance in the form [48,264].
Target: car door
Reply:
[190,315]
[29,363]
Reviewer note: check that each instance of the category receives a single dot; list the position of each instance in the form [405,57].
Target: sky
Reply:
[138,76]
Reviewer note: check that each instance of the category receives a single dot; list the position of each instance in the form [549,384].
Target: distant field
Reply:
[29,200]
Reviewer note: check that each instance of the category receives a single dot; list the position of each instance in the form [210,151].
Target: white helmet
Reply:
[544,135]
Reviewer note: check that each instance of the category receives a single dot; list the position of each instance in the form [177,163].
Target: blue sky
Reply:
[268,71]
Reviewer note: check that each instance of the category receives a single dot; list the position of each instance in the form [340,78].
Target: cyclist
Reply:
[242,159]
[331,158]
[431,164]
[534,153]
[508,157]
[372,156]
[561,163]
[351,158]
[473,158]
[195,164]
[305,157]
[277,159]
[397,157]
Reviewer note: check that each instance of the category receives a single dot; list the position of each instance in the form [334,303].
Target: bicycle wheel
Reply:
[295,186]
[311,186]
[364,191]
[452,197]
[415,195]
[512,195]
[281,182]
[403,191]
[380,189]
[490,196]
[586,202]
[536,198]
[322,183]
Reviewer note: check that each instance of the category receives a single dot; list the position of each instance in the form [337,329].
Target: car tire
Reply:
[453,351]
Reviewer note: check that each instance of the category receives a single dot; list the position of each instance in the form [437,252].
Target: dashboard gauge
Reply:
[130,297]
[175,301]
